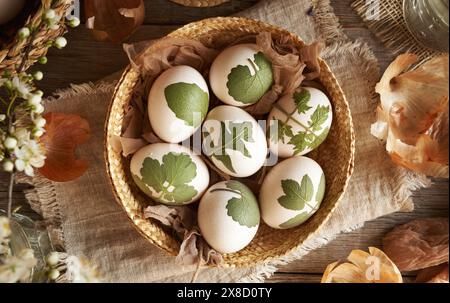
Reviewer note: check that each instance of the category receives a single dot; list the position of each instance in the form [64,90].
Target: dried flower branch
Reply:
[22,125]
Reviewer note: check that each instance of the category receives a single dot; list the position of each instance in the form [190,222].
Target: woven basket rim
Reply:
[350,164]
[201,4]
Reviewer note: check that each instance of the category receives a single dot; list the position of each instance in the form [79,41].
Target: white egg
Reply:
[292,192]
[228,216]
[9,9]
[178,103]
[169,173]
[234,141]
[299,123]
[241,75]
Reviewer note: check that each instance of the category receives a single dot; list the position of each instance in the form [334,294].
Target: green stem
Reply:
[10,193]
[230,144]
[10,106]
[293,119]
[3,101]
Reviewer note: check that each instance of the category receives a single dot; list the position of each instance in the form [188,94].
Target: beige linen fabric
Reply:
[85,219]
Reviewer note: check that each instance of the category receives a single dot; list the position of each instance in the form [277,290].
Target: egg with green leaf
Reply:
[228,216]
[299,122]
[241,75]
[292,192]
[178,103]
[169,173]
[234,141]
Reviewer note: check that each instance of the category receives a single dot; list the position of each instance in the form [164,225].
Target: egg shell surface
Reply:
[178,103]
[299,123]
[241,75]
[234,141]
[292,192]
[169,173]
[228,216]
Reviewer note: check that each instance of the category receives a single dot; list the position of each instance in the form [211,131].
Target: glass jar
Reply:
[26,234]
[427,20]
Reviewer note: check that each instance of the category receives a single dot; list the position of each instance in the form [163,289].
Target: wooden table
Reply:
[86,60]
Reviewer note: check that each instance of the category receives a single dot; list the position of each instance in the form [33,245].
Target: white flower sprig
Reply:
[59,266]
[22,124]
[20,149]
[62,267]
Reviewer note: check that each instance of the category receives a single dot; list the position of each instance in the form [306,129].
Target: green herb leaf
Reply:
[142,186]
[279,131]
[300,142]
[319,117]
[186,99]
[248,89]
[233,138]
[301,100]
[319,139]
[297,220]
[169,180]
[321,189]
[243,209]
[296,195]
[226,160]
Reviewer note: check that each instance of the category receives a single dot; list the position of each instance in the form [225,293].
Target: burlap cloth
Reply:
[85,219]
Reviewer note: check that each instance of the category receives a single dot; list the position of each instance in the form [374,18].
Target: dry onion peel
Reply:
[63,134]
[363,267]
[413,115]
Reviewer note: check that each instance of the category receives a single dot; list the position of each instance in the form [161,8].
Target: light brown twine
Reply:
[199,264]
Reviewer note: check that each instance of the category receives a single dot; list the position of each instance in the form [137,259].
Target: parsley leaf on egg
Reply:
[247,87]
[169,180]
[300,142]
[232,137]
[319,117]
[295,221]
[244,208]
[296,195]
[321,189]
[301,100]
[313,144]
[185,100]
[279,130]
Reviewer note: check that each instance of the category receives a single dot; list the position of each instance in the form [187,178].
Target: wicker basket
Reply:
[335,155]
[11,54]
[200,3]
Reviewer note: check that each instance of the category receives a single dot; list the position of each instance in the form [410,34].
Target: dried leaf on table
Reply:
[434,274]
[63,135]
[363,267]
[413,115]
[418,244]
[114,20]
